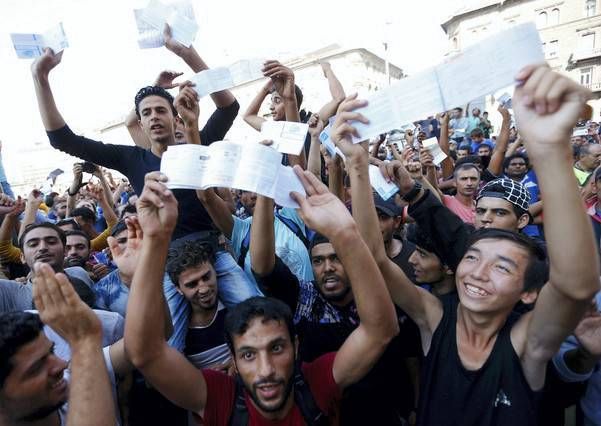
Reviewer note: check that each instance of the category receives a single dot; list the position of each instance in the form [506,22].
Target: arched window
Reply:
[554,17]
[541,20]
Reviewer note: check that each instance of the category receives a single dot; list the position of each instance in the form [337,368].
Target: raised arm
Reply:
[186,105]
[262,237]
[218,211]
[325,213]
[498,154]
[251,116]
[90,393]
[221,99]
[34,200]
[40,69]
[336,90]
[314,161]
[447,164]
[547,106]
[163,366]
[421,306]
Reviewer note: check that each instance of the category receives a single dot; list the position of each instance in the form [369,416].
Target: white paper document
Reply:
[505,100]
[383,188]
[454,82]
[580,131]
[437,153]
[250,167]
[324,138]
[288,137]
[222,78]
[30,46]
[152,19]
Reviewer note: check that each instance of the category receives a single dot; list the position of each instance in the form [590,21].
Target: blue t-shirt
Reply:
[112,293]
[288,246]
[488,142]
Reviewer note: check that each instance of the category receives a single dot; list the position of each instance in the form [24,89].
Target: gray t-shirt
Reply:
[15,296]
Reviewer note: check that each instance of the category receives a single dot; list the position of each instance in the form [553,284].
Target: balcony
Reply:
[594,87]
[581,55]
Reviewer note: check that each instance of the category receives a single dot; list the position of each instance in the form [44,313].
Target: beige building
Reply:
[359,70]
[570,31]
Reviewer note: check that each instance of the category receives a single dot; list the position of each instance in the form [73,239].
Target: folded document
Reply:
[250,167]
[32,45]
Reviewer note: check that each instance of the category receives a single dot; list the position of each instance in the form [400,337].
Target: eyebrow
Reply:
[40,360]
[277,340]
[498,256]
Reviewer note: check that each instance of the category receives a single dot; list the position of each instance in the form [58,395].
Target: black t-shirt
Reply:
[386,392]
[206,346]
[402,259]
[135,162]
[495,394]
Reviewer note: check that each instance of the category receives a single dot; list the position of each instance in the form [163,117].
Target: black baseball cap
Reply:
[388,207]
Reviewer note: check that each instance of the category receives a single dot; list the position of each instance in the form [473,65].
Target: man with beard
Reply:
[34,387]
[44,243]
[467,179]
[259,331]
[77,253]
[190,267]
[589,158]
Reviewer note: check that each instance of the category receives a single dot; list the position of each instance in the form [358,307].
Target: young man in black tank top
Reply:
[483,366]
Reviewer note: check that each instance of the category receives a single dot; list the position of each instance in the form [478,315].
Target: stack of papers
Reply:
[152,19]
[454,82]
[379,184]
[437,153]
[288,137]
[30,46]
[222,78]
[250,167]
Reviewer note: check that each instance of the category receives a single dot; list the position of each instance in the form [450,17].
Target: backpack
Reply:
[305,236]
[302,397]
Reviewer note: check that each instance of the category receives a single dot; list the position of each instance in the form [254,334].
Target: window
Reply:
[541,20]
[554,17]
[587,42]
[590,7]
[553,49]
[586,76]
[455,44]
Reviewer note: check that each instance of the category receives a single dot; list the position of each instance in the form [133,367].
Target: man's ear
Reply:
[523,220]
[529,297]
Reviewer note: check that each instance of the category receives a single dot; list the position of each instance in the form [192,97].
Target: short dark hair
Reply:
[299,96]
[118,228]
[31,227]
[537,271]
[239,317]
[16,330]
[79,233]
[84,213]
[129,208]
[465,166]
[85,293]
[188,255]
[68,221]
[153,91]
[513,157]
[469,159]
[316,240]
[476,132]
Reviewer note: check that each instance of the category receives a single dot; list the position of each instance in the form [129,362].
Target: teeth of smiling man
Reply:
[476,290]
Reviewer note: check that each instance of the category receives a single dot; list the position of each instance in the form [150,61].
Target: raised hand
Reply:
[282,77]
[547,105]
[588,333]
[126,259]
[172,44]
[425,158]
[315,125]
[320,209]
[504,112]
[95,191]
[395,171]
[16,208]
[157,207]
[343,131]
[326,68]
[35,199]
[42,65]
[186,104]
[62,309]
[165,79]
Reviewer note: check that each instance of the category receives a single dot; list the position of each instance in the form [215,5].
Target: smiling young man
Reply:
[484,365]
[259,331]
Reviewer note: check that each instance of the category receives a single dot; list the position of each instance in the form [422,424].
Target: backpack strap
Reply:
[303,397]
[244,247]
[239,415]
[305,237]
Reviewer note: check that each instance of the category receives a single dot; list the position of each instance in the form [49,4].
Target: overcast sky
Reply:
[103,67]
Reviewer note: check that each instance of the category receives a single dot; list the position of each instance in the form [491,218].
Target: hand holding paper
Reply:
[30,46]
[222,78]
[288,137]
[152,19]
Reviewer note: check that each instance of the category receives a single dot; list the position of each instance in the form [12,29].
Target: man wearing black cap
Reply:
[398,249]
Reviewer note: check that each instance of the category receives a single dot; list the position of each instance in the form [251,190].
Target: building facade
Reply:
[569,29]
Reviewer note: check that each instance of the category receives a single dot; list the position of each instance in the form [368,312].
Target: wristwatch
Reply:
[412,194]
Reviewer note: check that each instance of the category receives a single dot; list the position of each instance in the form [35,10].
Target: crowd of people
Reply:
[470,297]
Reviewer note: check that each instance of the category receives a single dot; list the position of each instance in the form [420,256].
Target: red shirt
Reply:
[222,390]
[467,214]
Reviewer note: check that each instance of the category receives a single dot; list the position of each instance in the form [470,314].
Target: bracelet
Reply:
[413,193]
